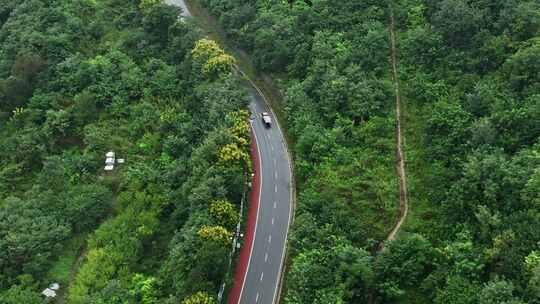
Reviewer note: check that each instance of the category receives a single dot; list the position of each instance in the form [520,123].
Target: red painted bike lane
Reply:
[245,252]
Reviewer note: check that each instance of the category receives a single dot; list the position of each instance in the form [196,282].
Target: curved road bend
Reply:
[182,5]
[261,282]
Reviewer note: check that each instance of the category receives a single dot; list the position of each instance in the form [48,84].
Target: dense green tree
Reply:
[447,130]
[224,213]
[522,69]
[28,236]
[498,291]
[145,290]
[458,21]
[338,274]
[458,290]
[79,79]
[402,265]
[199,298]
[17,294]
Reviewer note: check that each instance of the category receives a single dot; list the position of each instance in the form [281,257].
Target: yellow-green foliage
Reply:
[224,213]
[532,261]
[100,266]
[145,288]
[240,129]
[113,247]
[238,150]
[18,111]
[218,64]
[199,298]
[216,234]
[232,153]
[146,4]
[213,59]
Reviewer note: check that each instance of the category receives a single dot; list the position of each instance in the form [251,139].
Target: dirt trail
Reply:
[400,155]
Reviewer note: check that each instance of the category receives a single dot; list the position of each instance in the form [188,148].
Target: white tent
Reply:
[54,286]
[109,161]
[49,293]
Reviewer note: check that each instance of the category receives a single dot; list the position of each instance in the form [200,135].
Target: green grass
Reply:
[421,173]
[61,270]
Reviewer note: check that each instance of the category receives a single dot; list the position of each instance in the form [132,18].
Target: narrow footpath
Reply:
[400,154]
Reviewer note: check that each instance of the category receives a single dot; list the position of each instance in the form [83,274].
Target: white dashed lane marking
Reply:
[262,275]
[266,257]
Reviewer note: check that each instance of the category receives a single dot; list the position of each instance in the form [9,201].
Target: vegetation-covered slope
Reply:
[80,78]
[469,76]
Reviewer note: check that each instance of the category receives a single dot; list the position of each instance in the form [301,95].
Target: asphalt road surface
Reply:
[181,4]
[261,281]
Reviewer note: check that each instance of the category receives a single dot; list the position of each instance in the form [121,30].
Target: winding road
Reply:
[262,278]
[261,262]
[182,5]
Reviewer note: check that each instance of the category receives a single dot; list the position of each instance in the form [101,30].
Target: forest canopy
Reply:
[468,72]
[79,79]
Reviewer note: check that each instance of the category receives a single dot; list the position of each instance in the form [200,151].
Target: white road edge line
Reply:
[257,218]
[291,202]
[288,226]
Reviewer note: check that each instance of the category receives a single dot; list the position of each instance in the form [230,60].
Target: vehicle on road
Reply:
[266,119]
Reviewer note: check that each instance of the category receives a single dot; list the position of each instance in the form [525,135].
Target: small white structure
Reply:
[54,286]
[109,161]
[51,291]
